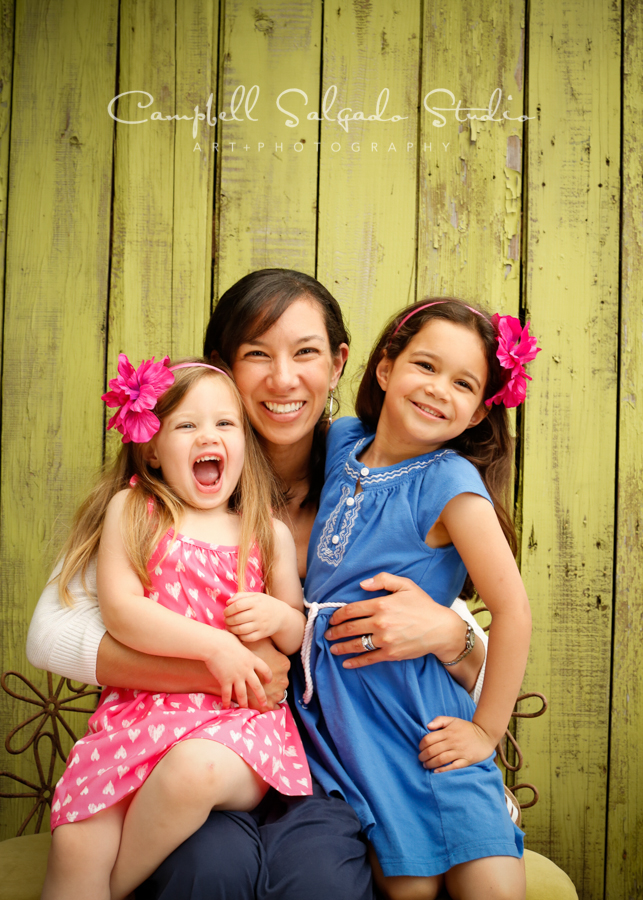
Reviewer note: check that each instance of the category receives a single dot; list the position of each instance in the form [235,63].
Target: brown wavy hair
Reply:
[489,445]
[254,497]
[249,308]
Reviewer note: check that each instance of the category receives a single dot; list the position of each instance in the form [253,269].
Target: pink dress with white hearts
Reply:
[132,730]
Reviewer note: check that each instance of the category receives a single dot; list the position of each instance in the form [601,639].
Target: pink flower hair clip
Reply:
[515,348]
[135,392]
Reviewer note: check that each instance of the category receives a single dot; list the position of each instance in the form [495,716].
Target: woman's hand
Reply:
[253,616]
[454,744]
[279,665]
[236,669]
[406,624]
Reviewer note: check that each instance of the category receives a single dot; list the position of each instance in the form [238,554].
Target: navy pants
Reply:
[289,848]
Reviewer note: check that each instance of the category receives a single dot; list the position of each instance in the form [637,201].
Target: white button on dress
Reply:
[364,471]
[335,539]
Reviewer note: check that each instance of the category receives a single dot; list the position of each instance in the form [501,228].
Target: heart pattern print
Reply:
[132,730]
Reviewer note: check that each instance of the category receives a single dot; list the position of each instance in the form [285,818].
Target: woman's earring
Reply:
[331,400]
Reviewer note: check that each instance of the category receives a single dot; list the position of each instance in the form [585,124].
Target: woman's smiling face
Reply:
[284,374]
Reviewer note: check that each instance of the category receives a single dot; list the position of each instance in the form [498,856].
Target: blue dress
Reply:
[362,727]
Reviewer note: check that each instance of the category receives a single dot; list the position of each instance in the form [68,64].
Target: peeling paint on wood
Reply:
[470,178]
[568,466]
[625,816]
[55,303]
[367,228]
[267,209]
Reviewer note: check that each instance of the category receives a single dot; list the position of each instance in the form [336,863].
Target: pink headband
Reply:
[515,348]
[135,393]
[426,306]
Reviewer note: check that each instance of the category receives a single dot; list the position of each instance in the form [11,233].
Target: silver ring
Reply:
[285,697]
[367,642]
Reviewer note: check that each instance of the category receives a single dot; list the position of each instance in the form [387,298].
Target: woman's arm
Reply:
[252,616]
[72,641]
[474,529]
[407,624]
[135,620]
[66,639]
[120,666]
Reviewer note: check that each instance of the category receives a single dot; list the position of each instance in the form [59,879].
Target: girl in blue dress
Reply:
[418,486]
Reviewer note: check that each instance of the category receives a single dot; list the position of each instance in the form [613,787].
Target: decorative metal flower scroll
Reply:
[509,739]
[48,724]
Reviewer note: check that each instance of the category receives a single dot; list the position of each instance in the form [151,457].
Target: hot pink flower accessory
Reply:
[515,348]
[135,392]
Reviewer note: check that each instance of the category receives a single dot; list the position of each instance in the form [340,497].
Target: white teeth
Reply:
[207,458]
[284,407]
[433,412]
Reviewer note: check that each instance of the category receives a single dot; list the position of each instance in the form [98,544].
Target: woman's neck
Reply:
[291,464]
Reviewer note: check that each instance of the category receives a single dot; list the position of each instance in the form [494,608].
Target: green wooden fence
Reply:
[118,237]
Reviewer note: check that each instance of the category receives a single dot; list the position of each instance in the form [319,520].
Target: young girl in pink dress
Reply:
[186,546]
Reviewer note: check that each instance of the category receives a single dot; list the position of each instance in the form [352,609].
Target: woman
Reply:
[283,335]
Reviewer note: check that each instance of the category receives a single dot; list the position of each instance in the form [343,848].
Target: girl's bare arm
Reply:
[252,616]
[474,529]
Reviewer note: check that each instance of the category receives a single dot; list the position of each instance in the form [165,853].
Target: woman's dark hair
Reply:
[489,444]
[249,308]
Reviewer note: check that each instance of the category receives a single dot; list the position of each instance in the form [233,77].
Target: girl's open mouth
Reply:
[207,471]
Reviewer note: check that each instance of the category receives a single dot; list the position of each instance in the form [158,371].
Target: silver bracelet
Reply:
[469,643]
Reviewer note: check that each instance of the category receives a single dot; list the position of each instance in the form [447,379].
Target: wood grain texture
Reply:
[267,195]
[141,315]
[568,467]
[471,169]
[197,31]
[625,813]
[6,77]
[55,303]
[367,186]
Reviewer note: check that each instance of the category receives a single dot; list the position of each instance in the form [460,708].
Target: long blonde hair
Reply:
[254,497]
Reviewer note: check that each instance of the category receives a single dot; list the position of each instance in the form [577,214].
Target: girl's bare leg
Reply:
[404,887]
[192,779]
[82,856]
[491,878]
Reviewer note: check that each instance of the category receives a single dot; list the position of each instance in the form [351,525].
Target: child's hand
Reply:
[236,668]
[454,744]
[279,666]
[254,616]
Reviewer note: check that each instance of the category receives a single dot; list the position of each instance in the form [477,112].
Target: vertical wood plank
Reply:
[6,78]
[161,263]
[471,169]
[267,191]
[197,24]
[367,190]
[625,813]
[141,317]
[568,472]
[55,304]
